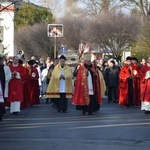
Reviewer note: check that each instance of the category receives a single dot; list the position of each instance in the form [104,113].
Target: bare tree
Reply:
[141,49]
[72,30]
[113,31]
[142,7]
[94,7]
[33,40]
[72,8]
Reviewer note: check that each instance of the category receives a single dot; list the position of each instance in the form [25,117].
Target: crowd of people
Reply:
[23,83]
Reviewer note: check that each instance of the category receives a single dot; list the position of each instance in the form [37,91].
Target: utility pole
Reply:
[55,48]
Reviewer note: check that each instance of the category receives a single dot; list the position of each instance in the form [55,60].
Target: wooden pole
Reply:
[55,49]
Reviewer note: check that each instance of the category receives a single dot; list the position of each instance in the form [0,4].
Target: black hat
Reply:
[31,62]
[134,58]
[129,58]
[62,57]
[112,61]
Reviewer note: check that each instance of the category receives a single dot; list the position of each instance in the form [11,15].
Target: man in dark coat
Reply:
[111,76]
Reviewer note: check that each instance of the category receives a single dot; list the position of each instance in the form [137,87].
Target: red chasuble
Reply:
[33,86]
[145,84]
[81,92]
[136,84]
[16,85]
[25,103]
[123,84]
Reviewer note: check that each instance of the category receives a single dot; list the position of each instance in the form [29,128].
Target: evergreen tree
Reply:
[29,14]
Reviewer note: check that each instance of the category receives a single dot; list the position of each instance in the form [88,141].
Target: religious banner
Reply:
[55,30]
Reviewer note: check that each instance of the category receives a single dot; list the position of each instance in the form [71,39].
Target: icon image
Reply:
[55,30]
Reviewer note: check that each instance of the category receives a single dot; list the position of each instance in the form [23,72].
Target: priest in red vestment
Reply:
[129,81]
[145,87]
[136,81]
[25,103]
[33,84]
[15,93]
[89,87]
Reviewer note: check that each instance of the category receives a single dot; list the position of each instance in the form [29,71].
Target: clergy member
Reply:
[5,76]
[145,87]
[60,85]
[129,89]
[136,82]
[33,83]
[89,87]
[15,93]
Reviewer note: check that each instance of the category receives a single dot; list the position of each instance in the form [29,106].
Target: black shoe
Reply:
[115,101]
[64,111]
[83,112]
[15,113]
[147,112]
[127,106]
[1,118]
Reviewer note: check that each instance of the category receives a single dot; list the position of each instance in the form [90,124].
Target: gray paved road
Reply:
[43,128]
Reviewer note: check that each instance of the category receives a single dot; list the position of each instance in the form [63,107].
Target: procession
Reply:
[24,84]
[74,74]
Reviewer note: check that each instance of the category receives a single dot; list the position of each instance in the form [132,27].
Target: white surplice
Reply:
[62,83]
[146,105]
[44,80]
[90,84]
[7,79]
[14,107]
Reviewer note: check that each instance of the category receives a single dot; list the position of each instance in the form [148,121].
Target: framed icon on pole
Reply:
[55,30]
